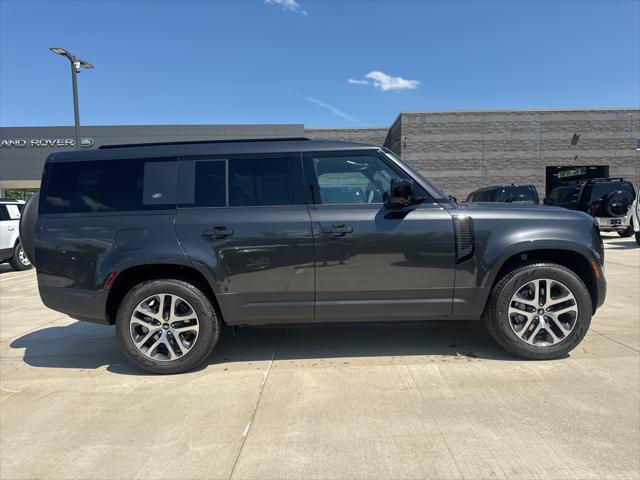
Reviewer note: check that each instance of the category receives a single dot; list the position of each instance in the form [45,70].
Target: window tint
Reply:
[562,195]
[109,186]
[210,182]
[261,182]
[601,190]
[354,179]
[517,194]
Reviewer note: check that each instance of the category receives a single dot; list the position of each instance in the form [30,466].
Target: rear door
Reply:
[244,223]
[373,263]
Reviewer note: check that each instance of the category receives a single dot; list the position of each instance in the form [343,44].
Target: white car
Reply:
[10,248]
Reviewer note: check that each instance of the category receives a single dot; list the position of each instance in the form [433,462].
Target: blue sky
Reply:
[288,61]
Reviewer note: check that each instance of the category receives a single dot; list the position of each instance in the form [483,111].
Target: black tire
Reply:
[497,320]
[637,238]
[208,320]
[19,261]
[627,232]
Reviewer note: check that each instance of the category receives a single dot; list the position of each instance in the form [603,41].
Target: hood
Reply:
[519,211]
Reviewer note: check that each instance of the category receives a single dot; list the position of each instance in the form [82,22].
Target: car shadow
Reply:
[88,346]
[622,244]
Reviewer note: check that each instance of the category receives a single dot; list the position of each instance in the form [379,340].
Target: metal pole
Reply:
[76,110]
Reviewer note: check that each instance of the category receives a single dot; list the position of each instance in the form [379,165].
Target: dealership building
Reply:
[458,151]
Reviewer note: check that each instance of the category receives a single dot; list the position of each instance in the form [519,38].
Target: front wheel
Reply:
[539,311]
[167,326]
[19,261]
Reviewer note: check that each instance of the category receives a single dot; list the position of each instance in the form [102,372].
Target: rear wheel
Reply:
[167,326]
[539,311]
[637,238]
[19,261]
[627,232]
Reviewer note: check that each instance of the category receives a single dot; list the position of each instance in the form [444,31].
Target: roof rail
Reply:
[202,142]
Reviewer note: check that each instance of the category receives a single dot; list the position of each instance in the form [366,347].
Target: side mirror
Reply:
[400,194]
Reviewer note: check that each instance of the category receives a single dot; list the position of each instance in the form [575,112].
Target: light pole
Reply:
[76,65]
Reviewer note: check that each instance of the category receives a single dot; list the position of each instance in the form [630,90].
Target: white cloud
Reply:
[353,81]
[287,6]
[387,82]
[334,110]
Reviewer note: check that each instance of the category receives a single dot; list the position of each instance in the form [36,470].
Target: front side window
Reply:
[353,179]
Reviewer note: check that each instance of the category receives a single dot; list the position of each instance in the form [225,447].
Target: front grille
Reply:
[465,241]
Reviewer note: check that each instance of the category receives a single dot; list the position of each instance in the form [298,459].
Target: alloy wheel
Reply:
[23,257]
[543,312]
[164,327]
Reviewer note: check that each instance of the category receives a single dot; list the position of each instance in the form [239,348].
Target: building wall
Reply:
[458,151]
[375,136]
[462,151]
[21,167]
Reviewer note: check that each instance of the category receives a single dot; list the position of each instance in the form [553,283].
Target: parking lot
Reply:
[428,400]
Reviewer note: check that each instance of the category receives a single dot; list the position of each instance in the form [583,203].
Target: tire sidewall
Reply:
[534,272]
[15,262]
[209,325]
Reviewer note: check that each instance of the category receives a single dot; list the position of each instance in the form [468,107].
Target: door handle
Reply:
[11,228]
[218,232]
[336,230]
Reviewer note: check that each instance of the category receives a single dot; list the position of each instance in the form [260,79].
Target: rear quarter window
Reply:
[116,185]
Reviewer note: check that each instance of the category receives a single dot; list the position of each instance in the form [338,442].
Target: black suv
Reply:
[506,193]
[168,241]
[606,199]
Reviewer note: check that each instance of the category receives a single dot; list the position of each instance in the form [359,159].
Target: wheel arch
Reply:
[570,259]
[128,278]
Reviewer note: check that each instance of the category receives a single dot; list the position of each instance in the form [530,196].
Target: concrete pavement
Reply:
[433,400]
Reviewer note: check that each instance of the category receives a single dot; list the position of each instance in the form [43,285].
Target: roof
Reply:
[505,186]
[237,147]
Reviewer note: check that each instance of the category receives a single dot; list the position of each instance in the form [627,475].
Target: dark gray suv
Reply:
[168,241]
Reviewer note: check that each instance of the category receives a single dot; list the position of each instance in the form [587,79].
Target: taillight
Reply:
[595,208]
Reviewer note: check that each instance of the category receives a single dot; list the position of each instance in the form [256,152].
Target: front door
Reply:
[246,224]
[373,263]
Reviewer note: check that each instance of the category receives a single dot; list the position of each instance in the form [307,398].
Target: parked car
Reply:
[506,193]
[170,241]
[606,199]
[10,247]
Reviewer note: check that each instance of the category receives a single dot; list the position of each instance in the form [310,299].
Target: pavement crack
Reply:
[614,341]
[247,429]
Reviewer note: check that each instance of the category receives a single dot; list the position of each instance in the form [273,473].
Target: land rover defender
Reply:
[169,241]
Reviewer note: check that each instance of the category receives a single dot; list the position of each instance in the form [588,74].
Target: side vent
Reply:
[464,237]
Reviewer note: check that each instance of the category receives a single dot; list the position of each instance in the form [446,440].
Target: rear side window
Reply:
[9,211]
[210,181]
[562,195]
[261,182]
[109,186]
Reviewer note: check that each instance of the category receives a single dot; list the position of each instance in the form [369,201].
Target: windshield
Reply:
[601,190]
[517,194]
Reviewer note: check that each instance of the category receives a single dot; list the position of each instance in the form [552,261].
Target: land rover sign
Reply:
[44,142]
